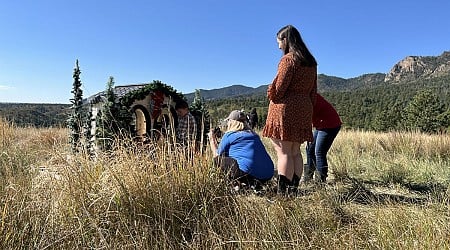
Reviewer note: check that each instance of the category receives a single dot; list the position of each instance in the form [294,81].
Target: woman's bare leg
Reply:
[285,159]
[298,159]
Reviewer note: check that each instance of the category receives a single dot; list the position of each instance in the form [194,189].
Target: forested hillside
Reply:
[378,107]
[36,115]
[413,95]
[385,104]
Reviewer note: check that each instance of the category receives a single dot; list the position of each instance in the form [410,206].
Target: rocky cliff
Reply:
[415,67]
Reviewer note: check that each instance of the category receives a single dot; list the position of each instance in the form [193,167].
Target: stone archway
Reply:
[140,122]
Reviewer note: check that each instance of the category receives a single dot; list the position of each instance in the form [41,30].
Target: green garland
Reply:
[139,94]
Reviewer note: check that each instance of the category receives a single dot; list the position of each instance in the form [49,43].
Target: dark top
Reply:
[325,115]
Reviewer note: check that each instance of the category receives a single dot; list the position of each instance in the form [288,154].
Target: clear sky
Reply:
[203,44]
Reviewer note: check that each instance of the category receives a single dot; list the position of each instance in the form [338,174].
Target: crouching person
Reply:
[327,124]
[241,153]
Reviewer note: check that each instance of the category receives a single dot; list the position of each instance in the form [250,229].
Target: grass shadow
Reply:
[358,192]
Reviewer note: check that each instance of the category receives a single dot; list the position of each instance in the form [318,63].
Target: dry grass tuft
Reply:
[389,191]
[6,133]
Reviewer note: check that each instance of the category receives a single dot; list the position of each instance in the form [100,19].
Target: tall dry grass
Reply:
[395,157]
[390,191]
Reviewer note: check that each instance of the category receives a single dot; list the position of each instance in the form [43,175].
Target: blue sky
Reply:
[201,44]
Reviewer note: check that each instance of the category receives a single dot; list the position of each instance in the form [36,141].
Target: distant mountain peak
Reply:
[414,67]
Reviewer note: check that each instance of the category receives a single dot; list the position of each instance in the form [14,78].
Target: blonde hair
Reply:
[233,125]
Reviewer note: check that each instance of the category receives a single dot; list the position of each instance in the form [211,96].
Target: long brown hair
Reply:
[295,44]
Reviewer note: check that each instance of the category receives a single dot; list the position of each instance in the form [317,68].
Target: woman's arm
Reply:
[283,79]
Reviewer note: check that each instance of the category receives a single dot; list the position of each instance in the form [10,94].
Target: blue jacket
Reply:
[248,150]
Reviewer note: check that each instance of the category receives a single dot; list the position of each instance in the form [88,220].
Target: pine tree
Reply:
[107,127]
[75,119]
[388,119]
[200,112]
[444,120]
[422,112]
[88,136]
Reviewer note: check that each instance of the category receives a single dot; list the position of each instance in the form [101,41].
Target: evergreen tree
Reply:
[75,119]
[107,127]
[422,112]
[200,112]
[388,119]
[87,127]
[444,120]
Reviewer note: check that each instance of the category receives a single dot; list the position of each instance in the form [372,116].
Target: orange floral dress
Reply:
[291,94]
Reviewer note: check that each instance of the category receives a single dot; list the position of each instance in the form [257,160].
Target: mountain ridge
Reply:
[411,68]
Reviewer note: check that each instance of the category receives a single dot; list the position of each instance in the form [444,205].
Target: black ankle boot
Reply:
[323,173]
[293,189]
[295,181]
[283,184]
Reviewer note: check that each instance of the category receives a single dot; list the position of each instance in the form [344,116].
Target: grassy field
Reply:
[387,191]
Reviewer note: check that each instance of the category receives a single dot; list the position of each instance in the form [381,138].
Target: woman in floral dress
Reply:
[292,95]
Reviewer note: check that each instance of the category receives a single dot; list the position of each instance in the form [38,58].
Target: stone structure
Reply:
[150,105]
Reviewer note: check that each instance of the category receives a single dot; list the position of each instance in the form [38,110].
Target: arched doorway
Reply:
[141,119]
[140,122]
[166,122]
